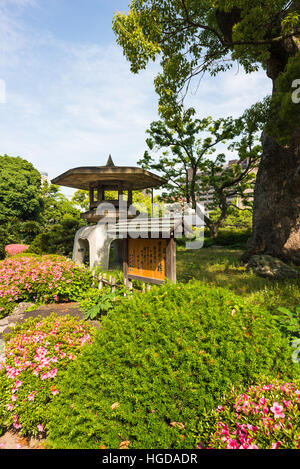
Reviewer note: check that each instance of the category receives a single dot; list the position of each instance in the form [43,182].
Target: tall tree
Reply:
[20,190]
[56,206]
[21,201]
[60,220]
[187,162]
[193,37]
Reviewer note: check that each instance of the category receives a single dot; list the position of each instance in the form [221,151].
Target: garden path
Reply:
[20,314]
[11,440]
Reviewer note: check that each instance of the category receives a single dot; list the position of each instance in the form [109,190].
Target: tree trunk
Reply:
[214,230]
[276,210]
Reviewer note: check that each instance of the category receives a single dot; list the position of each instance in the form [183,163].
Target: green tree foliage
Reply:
[20,193]
[81,200]
[34,213]
[56,206]
[140,201]
[21,201]
[60,220]
[187,161]
[193,37]
[285,108]
[236,227]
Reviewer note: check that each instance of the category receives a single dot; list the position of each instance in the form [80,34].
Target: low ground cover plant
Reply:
[265,416]
[37,354]
[40,279]
[98,302]
[158,361]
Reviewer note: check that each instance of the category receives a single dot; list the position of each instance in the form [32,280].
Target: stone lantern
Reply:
[98,181]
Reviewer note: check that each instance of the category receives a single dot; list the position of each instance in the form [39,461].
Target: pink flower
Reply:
[232,444]
[17,426]
[40,428]
[13,249]
[14,398]
[10,407]
[288,404]
[277,410]
[53,373]
[276,445]
[31,396]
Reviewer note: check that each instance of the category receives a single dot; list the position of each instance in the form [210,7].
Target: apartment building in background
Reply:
[206,197]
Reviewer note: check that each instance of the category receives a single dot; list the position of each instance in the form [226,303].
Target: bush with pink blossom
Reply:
[41,279]
[14,249]
[266,416]
[36,356]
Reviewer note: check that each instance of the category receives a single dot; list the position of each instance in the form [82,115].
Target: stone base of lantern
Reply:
[92,242]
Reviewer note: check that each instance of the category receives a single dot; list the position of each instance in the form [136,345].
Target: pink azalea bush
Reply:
[36,356]
[14,249]
[41,279]
[265,416]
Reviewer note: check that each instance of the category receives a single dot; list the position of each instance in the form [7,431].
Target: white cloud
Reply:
[71,105]
[21,3]
[230,93]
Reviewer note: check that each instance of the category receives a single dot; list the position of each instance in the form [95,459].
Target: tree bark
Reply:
[214,230]
[276,211]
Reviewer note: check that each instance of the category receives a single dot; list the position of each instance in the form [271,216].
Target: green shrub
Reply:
[158,360]
[6,307]
[37,354]
[41,279]
[230,237]
[60,237]
[208,242]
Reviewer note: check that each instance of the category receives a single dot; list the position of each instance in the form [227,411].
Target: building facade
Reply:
[207,197]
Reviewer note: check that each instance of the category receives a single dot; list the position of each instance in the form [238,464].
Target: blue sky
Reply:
[70,96]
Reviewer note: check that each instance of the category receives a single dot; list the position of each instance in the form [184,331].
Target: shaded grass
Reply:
[222,267]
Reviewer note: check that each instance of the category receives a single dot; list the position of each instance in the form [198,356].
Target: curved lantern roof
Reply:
[128,177]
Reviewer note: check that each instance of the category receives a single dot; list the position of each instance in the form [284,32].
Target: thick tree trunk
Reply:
[276,215]
[276,211]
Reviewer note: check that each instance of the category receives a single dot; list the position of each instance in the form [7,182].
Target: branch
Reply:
[239,208]
[200,25]
[230,44]
[241,176]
